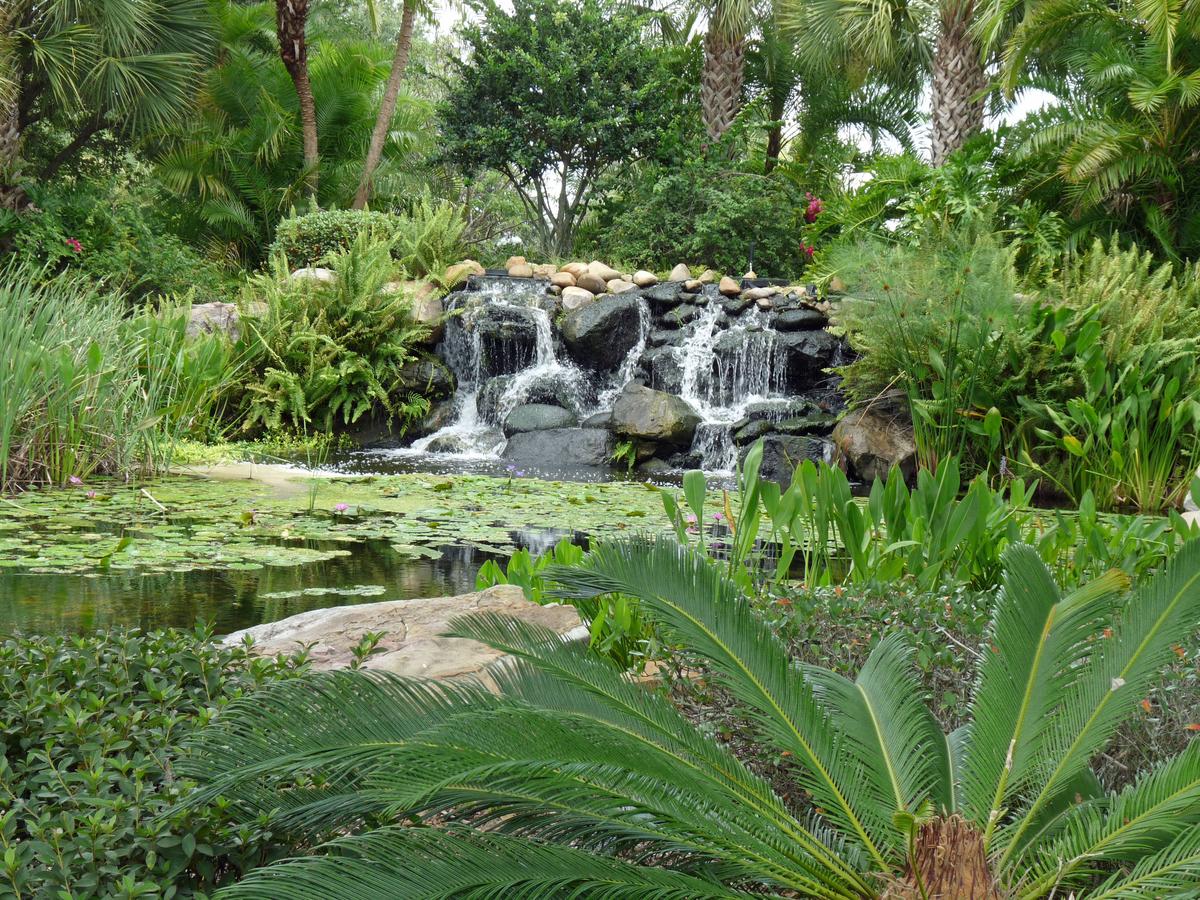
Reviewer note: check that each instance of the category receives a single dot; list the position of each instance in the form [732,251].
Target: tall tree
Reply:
[124,65]
[724,64]
[942,43]
[387,106]
[553,95]
[291,26]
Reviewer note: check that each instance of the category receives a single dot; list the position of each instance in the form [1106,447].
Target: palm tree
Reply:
[940,43]
[724,64]
[291,25]
[1122,138]
[125,65]
[387,105]
[572,781]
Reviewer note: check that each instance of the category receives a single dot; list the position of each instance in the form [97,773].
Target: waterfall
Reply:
[725,369]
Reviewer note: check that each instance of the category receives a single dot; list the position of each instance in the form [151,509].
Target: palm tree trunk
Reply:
[774,148]
[948,861]
[958,82]
[721,80]
[11,195]
[387,107]
[291,22]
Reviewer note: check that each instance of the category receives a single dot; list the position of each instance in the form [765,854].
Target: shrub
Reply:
[111,231]
[311,238]
[571,780]
[424,242]
[90,731]
[330,353]
[704,214]
[85,389]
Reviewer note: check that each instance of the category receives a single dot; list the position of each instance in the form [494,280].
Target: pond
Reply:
[239,552]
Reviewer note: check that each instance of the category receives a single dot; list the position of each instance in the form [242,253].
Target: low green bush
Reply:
[91,729]
[705,215]
[308,239]
[326,354]
[423,241]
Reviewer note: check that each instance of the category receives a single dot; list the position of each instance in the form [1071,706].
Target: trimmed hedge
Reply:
[308,239]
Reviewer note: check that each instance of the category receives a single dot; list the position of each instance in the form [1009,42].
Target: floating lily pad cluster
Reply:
[186,523]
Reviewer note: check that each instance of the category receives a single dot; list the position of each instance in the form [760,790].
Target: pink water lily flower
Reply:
[341,508]
[75,480]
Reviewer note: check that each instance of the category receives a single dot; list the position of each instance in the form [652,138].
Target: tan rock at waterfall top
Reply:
[515,261]
[544,270]
[644,278]
[620,286]
[575,268]
[708,276]
[575,297]
[460,271]
[520,270]
[413,644]
[728,286]
[590,282]
[603,271]
[563,279]
[680,273]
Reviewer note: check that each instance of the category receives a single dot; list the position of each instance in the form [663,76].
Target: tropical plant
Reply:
[84,388]
[91,728]
[325,353]
[127,66]
[238,166]
[729,22]
[1118,139]
[572,780]
[309,238]
[538,101]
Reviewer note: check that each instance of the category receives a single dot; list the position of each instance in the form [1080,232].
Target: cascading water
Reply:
[727,366]
[497,372]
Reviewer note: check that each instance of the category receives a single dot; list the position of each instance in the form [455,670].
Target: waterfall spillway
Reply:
[515,355]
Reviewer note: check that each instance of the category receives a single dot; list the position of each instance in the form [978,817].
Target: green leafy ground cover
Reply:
[187,523]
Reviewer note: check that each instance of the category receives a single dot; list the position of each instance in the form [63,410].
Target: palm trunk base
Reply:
[949,862]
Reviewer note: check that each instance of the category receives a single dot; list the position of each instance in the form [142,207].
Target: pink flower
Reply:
[91,495]
[341,508]
[75,480]
[807,250]
[74,244]
[814,209]
[718,517]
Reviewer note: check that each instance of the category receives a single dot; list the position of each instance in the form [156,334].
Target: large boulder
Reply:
[538,417]
[558,447]
[800,319]
[665,294]
[665,369]
[807,353]
[873,439]
[214,318]
[646,414]
[426,376]
[458,273]
[601,334]
[413,642]
[782,453]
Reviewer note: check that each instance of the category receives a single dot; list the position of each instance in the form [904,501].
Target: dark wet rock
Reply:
[562,447]
[752,431]
[654,415]
[456,443]
[800,319]
[654,466]
[778,410]
[735,306]
[681,315]
[664,294]
[782,453]
[538,417]
[664,368]
[872,440]
[807,353]
[665,337]
[551,390]
[819,424]
[601,334]
[507,337]
[439,416]
[427,376]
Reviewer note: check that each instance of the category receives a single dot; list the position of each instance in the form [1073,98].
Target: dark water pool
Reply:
[373,571]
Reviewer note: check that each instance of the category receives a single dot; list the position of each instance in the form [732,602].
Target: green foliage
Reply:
[123,241]
[1115,406]
[85,389]
[552,96]
[308,239]
[702,212]
[237,165]
[324,354]
[939,323]
[617,630]
[549,756]
[90,733]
